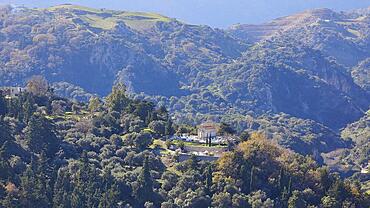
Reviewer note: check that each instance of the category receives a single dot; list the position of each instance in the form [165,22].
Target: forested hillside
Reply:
[60,153]
[119,84]
[196,70]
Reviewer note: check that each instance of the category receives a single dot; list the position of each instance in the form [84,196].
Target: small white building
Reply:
[206,130]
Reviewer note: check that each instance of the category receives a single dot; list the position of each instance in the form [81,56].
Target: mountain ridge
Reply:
[197,71]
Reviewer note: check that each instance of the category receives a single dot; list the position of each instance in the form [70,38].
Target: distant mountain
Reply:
[209,12]
[345,36]
[311,66]
[93,48]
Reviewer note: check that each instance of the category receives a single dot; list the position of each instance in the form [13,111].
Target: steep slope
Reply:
[361,74]
[282,77]
[353,159]
[299,65]
[93,48]
[344,36]
[306,137]
[359,132]
[198,71]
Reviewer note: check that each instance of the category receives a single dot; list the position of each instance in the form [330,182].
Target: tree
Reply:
[259,199]
[94,104]
[117,100]
[145,110]
[329,202]
[149,204]
[169,130]
[28,107]
[62,190]
[142,140]
[86,184]
[75,108]
[37,85]
[5,133]
[35,187]
[221,200]
[3,105]
[143,189]
[240,201]
[338,190]
[296,200]
[325,179]
[244,136]
[158,127]
[109,198]
[226,129]
[40,135]
[162,111]
[251,178]
[245,179]
[5,169]
[84,126]
[209,180]
[58,107]
[169,180]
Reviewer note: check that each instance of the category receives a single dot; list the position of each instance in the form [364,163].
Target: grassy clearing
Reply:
[67,116]
[76,7]
[144,16]
[99,22]
[108,19]
[160,143]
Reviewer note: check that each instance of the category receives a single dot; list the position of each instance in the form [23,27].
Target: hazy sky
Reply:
[217,13]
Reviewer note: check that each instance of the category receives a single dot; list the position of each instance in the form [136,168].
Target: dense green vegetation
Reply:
[293,94]
[196,71]
[59,153]
[359,132]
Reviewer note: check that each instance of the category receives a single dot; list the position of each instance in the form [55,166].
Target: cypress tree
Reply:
[143,191]
[110,196]
[40,135]
[35,188]
[5,133]
[209,181]
[210,140]
[62,190]
[194,162]
[169,129]
[5,169]
[117,100]
[289,186]
[28,110]
[281,180]
[251,179]
[3,105]
[244,176]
